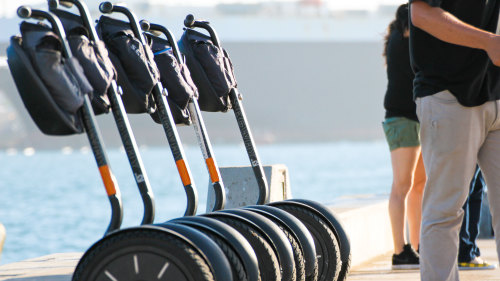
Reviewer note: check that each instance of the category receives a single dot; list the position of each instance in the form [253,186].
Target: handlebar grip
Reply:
[145,25]
[189,21]
[66,4]
[106,7]
[24,12]
[53,4]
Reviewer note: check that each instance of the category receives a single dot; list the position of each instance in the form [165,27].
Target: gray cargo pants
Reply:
[454,138]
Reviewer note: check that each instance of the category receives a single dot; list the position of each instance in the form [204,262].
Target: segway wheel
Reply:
[236,264]
[298,255]
[237,268]
[277,240]
[338,228]
[142,254]
[239,252]
[327,247]
[302,235]
[269,267]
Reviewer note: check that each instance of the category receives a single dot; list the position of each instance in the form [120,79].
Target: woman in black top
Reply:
[401,129]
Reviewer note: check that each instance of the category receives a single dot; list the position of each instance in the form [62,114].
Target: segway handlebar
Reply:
[53,4]
[82,9]
[108,8]
[191,22]
[26,12]
[157,30]
[146,27]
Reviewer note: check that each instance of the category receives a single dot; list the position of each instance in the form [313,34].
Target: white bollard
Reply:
[241,186]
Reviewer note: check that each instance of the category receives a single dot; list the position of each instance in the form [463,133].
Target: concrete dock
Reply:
[379,268]
[364,218]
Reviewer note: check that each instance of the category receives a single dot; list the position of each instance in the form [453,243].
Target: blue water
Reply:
[55,202]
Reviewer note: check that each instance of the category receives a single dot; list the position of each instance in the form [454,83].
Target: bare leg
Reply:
[404,162]
[414,203]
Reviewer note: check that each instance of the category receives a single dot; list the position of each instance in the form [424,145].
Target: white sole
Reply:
[489,267]
[405,266]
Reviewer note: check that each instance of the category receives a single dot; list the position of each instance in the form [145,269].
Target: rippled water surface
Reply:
[54,201]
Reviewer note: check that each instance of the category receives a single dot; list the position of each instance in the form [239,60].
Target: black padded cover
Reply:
[93,56]
[175,78]
[136,74]
[211,70]
[51,86]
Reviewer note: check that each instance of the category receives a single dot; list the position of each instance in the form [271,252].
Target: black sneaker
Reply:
[407,259]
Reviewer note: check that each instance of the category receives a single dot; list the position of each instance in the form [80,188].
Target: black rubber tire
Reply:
[236,264]
[303,235]
[143,253]
[269,267]
[239,252]
[342,238]
[215,257]
[278,241]
[327,247]
[298,254]
[298,257]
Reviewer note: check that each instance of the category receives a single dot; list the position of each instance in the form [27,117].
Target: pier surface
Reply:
[379,268]
[371,249]
[55,267]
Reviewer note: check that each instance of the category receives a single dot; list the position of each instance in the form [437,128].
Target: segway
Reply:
[291,236]
[151,99]
[166,51]
[278,243]
[93,56]
[248,262]
[55,92]
[223,97]
[325,228]
[176,78]
[169,252]
[171,66]
[288,271]
[307,243]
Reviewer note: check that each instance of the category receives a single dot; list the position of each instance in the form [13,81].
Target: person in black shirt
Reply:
[455,55]
[401,115]
[401,130]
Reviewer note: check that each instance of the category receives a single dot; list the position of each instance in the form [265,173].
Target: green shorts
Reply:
[401,132]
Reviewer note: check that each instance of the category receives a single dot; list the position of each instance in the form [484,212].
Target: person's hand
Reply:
[493,49]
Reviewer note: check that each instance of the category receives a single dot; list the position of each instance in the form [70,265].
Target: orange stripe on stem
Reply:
[212,170]
[183,172]
[108,179]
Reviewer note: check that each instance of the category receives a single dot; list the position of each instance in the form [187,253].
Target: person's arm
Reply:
[446,27]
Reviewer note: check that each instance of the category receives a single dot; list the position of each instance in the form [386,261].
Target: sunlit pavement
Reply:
[380,268]
[59,267]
